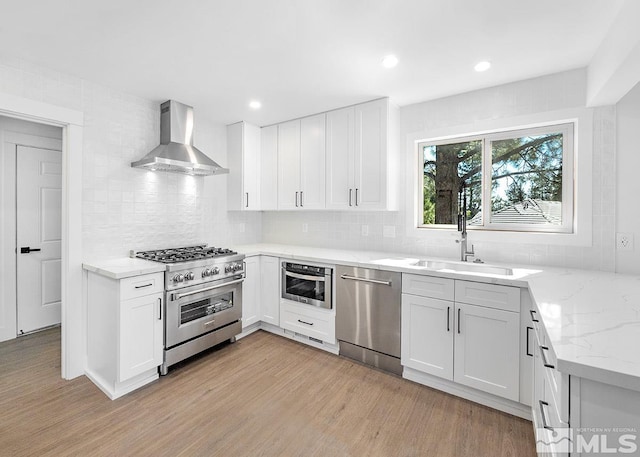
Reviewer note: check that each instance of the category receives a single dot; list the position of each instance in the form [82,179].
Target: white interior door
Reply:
[38,233]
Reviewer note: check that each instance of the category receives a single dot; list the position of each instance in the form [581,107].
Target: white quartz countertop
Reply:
[123,267]
[592,318]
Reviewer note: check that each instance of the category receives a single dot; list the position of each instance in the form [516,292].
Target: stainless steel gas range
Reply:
[203,298]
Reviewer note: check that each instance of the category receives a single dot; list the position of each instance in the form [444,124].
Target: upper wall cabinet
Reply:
[301,163]
[360,160]
[243,157]
[269,167]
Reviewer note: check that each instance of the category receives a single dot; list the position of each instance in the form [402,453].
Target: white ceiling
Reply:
[300,57]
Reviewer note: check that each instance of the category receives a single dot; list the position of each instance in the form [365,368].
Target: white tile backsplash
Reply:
[548,93]
[125,208]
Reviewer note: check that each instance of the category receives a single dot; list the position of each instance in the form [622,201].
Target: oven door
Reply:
[196,310]
[307,288]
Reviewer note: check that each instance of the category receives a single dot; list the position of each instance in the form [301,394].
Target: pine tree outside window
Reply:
[518,180]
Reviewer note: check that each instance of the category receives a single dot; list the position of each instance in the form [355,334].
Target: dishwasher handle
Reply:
[374,281]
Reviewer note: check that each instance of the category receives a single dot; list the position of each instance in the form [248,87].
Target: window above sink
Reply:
[518,180]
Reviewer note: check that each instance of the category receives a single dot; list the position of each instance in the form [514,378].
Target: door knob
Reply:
[27,250]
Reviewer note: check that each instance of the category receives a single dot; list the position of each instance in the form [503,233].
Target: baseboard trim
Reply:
[118,389]
[468,393]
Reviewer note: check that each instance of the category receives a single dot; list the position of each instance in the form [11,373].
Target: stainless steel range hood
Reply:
[176,152]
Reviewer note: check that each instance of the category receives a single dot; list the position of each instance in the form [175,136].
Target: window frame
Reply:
[569,178]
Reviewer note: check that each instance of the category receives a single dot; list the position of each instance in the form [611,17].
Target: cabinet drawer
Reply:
[489,295]
[309,322]
[139,286]
[428,286]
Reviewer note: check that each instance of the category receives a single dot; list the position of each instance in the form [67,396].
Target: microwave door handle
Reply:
[304,277]
[193,292]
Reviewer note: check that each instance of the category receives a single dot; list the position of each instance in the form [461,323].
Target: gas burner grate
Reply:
[184,254]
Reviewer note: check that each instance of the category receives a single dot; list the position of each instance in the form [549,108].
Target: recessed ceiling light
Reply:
[482,66]
[390,61]
[255,104]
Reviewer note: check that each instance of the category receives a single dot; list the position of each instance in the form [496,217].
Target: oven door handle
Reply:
[305,277]
[193,292]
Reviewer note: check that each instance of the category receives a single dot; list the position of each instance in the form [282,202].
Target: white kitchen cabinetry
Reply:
[125,326]
[251,292]
[472,345]
[269,168]
[308,320]
[486,350]
[243,157]
[260,292]
[360,157]
[270,290]
[301,163]
[427,337]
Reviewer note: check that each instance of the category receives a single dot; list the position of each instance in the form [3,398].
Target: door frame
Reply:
[73,339]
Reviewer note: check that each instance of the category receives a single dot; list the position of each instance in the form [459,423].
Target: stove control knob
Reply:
[237,267]
[228,268]
[189,276]
[178,278]
[206,272]
[215,271]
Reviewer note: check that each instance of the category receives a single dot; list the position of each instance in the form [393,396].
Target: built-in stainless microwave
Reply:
[308,284]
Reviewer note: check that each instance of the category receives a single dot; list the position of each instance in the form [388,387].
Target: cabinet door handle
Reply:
[145,285]
[160,303]
[303,322]
[458,320]
[544,357]
[301,200]
[448,319]
[247,204]
[356,196]
[533,318]
[296,199]
[528,328]
[545,423]
[350,192]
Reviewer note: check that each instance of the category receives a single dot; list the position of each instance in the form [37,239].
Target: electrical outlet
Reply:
[389,231]
[365,230]
[305,227]
[624,241]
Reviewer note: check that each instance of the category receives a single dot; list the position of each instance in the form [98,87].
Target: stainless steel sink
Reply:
[463,267]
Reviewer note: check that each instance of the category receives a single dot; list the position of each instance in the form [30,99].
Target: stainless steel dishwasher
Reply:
[368,316]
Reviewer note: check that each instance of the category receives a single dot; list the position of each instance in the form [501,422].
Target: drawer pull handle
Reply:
[544,357]
[458,320]
[545,423]
[160,307]
[303,322]
[206,324]
[144,285]
[448,318]
[529,354]
[533,318]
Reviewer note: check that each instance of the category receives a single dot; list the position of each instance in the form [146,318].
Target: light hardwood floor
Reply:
[262,396]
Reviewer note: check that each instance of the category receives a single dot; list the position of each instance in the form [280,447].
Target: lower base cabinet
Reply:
[307,320]
[125,331]
[469,344]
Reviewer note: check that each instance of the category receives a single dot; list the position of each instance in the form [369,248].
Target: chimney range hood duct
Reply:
[176,152]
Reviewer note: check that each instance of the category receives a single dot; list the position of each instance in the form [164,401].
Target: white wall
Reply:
[628,187]
[125,208]
[531,97]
